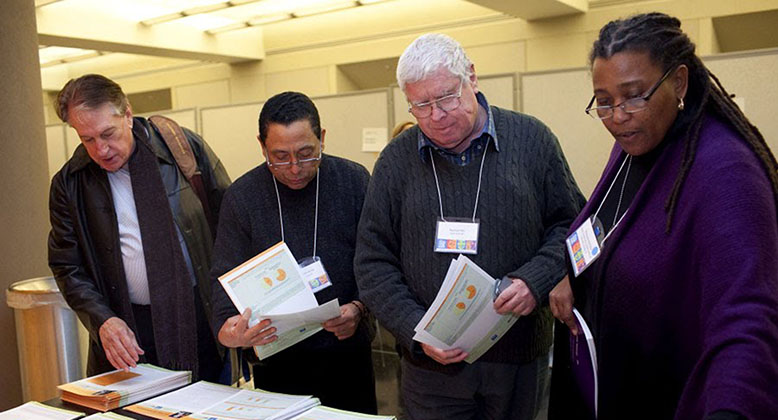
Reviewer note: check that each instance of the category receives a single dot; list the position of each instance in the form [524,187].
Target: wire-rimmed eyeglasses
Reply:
[300,162]
[446,103]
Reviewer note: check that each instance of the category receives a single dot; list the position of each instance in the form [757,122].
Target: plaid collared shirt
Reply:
[476,146]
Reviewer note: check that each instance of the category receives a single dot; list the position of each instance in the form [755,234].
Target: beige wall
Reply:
[303,54]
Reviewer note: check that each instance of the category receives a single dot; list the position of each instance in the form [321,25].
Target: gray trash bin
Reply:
[47,337]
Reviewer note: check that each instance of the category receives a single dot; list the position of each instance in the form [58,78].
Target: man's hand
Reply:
[346,324]
[235,332]
[561,302]
[516,298]
[121,348]
[444,357]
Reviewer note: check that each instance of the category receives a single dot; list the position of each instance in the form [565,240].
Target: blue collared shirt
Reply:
[476,146]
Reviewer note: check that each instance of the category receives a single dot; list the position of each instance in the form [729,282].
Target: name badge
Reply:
[315,275]
[585,244]
[457,236]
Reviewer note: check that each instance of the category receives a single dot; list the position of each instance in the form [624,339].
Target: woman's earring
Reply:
[680,104]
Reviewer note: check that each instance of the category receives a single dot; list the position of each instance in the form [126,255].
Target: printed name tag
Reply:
[457,236]
[584,245]
[314,274]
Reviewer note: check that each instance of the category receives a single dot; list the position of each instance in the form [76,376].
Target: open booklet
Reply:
[107,416]
[462,314]
[272,285]
[118,388]
[326,413]
[584,362]
[36,411]
[208,401]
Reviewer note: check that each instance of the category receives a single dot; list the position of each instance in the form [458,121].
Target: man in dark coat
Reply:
[130,243]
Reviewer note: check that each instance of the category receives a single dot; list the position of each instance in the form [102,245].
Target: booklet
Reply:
[584,362]
[115,389]
[462,314]
[106,416]
[34,410]
[209,401]
[327,413]
[272,285]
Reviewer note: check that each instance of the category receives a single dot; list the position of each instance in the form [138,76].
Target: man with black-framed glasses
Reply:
[312,202]
[471,179]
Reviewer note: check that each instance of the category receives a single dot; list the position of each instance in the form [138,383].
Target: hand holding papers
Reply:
[118,388]
[272,286]
[462,315]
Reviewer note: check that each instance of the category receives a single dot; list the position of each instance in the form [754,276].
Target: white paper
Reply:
[269,283]
[204,400]
[273,286]
[326,413]
[107,416]
[37,411]
[462,315]
[374,139]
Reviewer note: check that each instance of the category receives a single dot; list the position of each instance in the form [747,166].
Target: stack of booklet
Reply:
[118,388]
[462,315]
[205,400]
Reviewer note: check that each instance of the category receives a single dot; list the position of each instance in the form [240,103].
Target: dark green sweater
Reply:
[528,199]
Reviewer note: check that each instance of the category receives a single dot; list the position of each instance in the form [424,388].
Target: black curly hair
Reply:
[661,37]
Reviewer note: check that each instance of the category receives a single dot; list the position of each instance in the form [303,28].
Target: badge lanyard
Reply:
[312,269]
[585,244]
[458,235]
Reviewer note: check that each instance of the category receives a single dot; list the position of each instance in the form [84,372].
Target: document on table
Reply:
[272,285]
[107,416]
[327,413]
[36,411]
[205,400]
[462,314]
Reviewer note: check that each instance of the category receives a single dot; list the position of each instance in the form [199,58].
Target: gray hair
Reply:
[90,91]
[428,54]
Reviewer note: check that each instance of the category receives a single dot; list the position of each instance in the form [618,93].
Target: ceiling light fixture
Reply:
[278,17]
[194,11]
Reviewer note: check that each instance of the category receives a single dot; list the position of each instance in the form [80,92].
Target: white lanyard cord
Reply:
[316,214]
[280,215]
[316,211]
[627,159]
[477,192]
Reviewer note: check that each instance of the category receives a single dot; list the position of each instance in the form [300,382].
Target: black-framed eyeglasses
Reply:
[446,103]
[300,162]
[630,106]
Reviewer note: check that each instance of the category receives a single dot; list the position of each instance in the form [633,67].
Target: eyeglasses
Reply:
[446,103]
[301,163]
[630,106]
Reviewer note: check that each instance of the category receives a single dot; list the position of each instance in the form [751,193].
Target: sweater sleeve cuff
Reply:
[539,280]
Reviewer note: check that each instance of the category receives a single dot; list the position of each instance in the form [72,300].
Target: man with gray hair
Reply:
[501,175]
[130,243]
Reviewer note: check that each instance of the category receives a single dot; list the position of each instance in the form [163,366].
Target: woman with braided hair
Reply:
[682,296]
